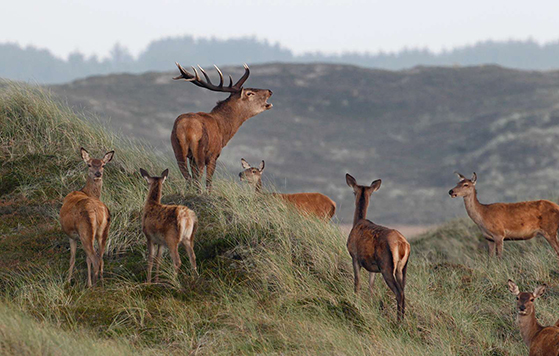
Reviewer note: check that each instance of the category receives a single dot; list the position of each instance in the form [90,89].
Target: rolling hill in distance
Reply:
[411,128]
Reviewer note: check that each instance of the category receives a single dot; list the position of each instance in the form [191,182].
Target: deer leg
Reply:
[191,256]
[499,246]
[372,276]
[490,245]
[174,251]
[356,269]
[102,245]
[87,235]
[158,262]
[73,249]
[395,288]
[150,249]
[552,239]
[210,169]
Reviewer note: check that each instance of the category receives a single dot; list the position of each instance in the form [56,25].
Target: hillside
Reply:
[271,281]
[411,128]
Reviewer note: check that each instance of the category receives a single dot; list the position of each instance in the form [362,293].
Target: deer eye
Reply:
[517,298]
[89,165]
[531,299]
[250,93]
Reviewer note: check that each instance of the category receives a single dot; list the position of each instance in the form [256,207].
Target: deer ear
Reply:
[108,157]
[262,165]
[145,174]
[376,185]
[460,176]
[85,155]
[474,178]
[539,291]
[350,180]
[245,164]
[513,288]
[165,173]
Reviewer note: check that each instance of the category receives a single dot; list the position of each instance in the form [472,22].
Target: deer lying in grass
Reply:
[166,225]
[85,218]
[311,203]
[200,137]
[377,248]
[509,221]
[541,340]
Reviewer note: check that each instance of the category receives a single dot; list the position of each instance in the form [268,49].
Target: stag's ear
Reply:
[85,155]
[513,288]
[460,176]
[108,157]
[474,178]
[262,165]
[245,164]
[145,174]
[539,291]
[350,180]
[165,174]
[376,185]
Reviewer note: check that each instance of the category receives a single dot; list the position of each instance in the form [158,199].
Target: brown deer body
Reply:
[85,218]
[166,226]
[311,203]
[542,341]
[376,248]
[199,137]
[509,221]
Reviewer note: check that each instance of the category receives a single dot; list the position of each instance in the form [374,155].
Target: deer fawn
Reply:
[311,203]
[377,248]
[166,225]
[84,217]
[541,340]
[509,221]
[200,137]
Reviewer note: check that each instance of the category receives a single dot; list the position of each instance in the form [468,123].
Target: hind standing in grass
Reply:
[166,225]
[85,218]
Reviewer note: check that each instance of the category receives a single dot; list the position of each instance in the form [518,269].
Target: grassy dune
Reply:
[271,281]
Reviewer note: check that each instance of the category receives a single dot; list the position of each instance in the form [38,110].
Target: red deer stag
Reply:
[200,137]
[377,248]
[541,340]
[85,218]
[311,203]
[166,225]
[509,221]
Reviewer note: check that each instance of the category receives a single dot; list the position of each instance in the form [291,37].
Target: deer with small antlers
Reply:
[199,137]
[376,248]
[542,341]
[166,226]
[85,218]
[311,203]
[508,221]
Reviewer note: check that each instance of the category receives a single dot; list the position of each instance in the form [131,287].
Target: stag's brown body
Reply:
[376,248]
[316,204]
[166,226]
[85,218]
[542,341]
[198,138]
[509,221]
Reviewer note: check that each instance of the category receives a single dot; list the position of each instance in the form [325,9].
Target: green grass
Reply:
[271,281]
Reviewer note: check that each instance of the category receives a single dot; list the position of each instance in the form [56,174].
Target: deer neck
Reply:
[529,327]
[93,187]
[361,206]
[230,116]
[258,186]
[474,208]
[154,194]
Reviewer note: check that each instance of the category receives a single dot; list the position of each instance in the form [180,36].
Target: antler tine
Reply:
[184,74]
[243,79]
[230,81]
[220,76]
[208,80]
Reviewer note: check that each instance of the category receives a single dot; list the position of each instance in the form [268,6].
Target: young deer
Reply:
[200,137]
[312,203]
[377,248]
[84,217]
[509,221]
[539,339]
[166,225]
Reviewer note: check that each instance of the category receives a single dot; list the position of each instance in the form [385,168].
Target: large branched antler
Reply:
[196,80]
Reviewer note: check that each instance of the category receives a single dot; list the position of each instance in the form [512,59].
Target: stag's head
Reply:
[525,300]
[362,191]
[253,101]
[464,187]
[252,175]
[95,166]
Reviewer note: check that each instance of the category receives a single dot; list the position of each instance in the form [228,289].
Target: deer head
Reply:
[253,101]
[96,166]
[464,187]
[525,300]
[252,175]
[362,190]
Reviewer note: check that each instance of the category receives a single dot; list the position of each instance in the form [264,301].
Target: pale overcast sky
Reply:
[94,26]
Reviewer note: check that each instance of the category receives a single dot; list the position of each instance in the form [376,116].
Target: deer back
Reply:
[546,342]
[313,203]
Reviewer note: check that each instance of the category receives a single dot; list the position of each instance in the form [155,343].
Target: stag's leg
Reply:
[372,276]
[73,249]
[151,250]
[388,275]
[210,169]
[181,156]
[356,269]
[158,262]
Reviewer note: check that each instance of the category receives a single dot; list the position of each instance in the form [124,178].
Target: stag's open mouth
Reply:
[268,106]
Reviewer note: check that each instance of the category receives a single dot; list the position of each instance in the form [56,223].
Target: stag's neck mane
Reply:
[361,206]
[230,116]
[529,327]
[474,208]
[154,194]
[93,188]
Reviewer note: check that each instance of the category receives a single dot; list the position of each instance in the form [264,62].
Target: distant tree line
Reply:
[33,64]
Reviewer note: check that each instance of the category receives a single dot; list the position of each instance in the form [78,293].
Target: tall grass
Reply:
[271,281]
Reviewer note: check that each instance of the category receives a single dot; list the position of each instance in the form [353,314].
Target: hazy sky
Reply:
[330,26]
